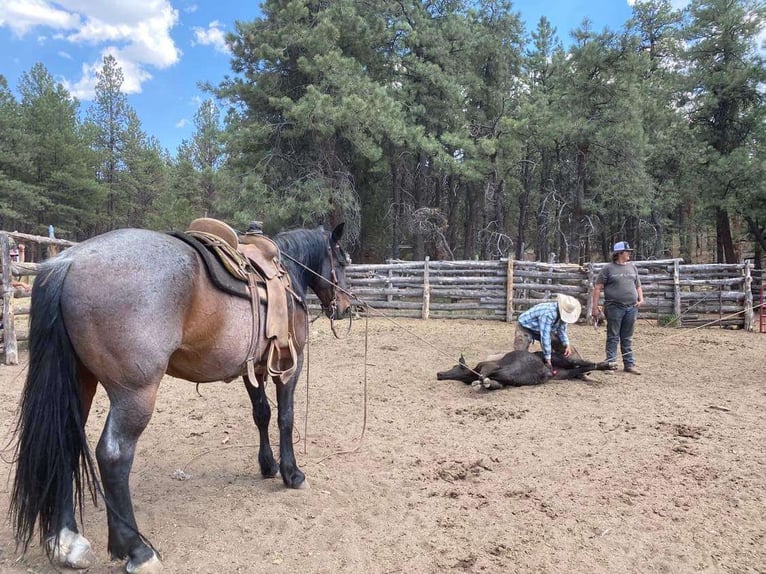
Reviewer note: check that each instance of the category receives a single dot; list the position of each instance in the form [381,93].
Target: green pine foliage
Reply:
[442,129]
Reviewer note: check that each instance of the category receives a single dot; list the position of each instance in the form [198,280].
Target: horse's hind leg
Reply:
[129,413]
[262,417]
[66,545]
[291,474]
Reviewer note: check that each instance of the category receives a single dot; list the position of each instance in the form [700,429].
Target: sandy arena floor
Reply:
[659,473]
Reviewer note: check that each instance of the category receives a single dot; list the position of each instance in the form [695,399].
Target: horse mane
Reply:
[305,245]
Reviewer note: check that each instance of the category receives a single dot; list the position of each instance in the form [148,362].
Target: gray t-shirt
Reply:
[620,283]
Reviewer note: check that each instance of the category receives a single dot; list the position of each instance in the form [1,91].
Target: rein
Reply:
[332,307]
[368,308]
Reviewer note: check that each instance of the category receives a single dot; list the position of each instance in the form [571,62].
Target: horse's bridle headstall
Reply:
[333,305]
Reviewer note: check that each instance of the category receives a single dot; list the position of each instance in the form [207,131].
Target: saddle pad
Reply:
[219,275]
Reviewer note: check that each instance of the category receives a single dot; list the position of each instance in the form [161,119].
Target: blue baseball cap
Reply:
[621,246]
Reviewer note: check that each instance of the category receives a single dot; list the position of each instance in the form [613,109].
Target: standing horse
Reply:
[123,309]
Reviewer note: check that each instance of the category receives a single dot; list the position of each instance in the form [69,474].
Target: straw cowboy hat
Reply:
[569,308]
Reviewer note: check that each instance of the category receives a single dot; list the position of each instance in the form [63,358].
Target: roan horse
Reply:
[123,309]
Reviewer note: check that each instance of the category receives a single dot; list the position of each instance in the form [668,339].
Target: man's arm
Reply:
[546,324]
[596,293]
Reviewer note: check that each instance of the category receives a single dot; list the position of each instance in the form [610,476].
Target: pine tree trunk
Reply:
[724,242]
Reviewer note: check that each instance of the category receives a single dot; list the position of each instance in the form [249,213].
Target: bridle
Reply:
[332,307]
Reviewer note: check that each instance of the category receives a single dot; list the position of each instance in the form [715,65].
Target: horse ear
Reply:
[337,233]
[462,359]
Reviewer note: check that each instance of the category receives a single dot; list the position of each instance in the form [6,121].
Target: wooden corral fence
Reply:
[16,284]
[674,293]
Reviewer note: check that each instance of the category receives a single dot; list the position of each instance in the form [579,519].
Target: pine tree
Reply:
[59,158]
[110,114]
[18,195]
[727,106]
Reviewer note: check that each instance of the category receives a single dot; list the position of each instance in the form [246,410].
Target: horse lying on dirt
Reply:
[519,368]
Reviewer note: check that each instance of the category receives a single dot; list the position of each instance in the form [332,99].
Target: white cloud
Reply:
[137,34]
[134,75]
[24,15]
[65,55]
[675,4]
[213,35]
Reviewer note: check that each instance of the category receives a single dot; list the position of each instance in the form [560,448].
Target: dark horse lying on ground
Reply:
[122,309]
[519,368]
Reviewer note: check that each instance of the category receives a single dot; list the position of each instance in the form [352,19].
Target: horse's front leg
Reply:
[262,417]
[291,474]
[129,414]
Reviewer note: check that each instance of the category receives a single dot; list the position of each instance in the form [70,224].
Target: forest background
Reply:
[436,128]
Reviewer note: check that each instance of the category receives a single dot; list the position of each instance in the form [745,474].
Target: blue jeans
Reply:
[620,324]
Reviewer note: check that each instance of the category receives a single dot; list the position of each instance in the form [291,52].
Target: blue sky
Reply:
[166,47]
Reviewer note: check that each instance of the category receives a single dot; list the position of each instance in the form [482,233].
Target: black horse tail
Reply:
[51,447]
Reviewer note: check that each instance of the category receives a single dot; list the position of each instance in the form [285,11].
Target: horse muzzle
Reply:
[339,307]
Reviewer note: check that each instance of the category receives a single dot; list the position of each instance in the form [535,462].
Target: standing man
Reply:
[547,323]
[622,298]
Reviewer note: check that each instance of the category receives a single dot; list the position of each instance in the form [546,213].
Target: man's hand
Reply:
[567,351]
[548,364]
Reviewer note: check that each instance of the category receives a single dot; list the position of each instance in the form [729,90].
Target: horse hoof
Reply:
[476,385]
[72,551]
[304,485]
[150,566]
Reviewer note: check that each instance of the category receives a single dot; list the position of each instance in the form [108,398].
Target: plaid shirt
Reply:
[542,319]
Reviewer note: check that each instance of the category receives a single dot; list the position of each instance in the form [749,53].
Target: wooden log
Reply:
[11,352]
[466,293]
[710,282]
[467,264]
[713,267]
[24,269]
[748,292]
[41,239]
[469,317]
[677,292]
[464,305]
[509,291]
[390,282]
[426,291]
[713,295]
[549,289]
[469,280]
[390,293]
[404,305]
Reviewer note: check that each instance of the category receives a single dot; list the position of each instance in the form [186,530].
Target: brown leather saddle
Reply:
[249,266]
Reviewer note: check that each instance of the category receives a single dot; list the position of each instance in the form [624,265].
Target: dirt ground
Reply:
[662,473]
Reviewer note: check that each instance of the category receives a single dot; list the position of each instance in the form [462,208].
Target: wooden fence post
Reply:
[9,330]
[426,291]
[589,295]
[677,292]
[747,285]
[509,290]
